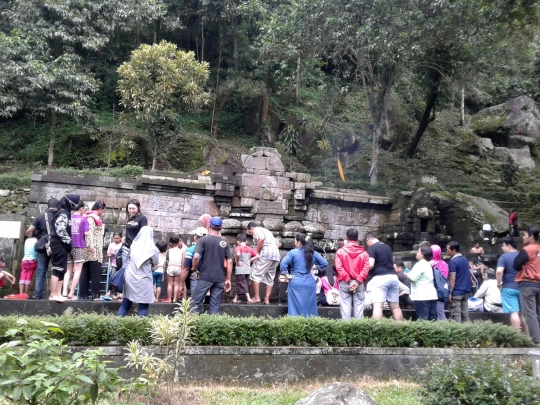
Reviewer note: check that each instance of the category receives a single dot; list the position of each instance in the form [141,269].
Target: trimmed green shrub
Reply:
[224,330]
[13,181]
[481,380]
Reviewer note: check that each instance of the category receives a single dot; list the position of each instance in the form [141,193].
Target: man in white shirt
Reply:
[264,268]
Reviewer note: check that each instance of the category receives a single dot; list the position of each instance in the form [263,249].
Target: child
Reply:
[79,230]
[158,270]
[4,275]
[244,257]
[173,266]
[112,251]
[29,263]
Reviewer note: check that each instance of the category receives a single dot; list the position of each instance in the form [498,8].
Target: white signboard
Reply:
[10,229]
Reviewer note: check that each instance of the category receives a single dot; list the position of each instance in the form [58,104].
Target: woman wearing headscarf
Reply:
[204,219]
[302,296]
[138,281]
[135,222]
[93,256]
[60,232]
[438,263]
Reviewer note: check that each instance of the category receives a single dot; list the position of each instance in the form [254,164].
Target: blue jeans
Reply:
[126,305]
[216,293]
[426,310]
[42,265]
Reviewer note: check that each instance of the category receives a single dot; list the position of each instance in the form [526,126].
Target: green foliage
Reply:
[13,181]
[290,140]
[38,369]
[509,173]
[127,171]
[478,380]
[99,330]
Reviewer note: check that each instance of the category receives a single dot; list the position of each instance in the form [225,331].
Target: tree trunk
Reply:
[157,26]
[377,131]
[265,107]
[202,39]
[137,34]
[234,29]
[462,120]
[426,118]
[297,86]
[213,131]
[154,157]
[51,142]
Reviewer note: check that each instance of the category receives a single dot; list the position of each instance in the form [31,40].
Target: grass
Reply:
[383,392]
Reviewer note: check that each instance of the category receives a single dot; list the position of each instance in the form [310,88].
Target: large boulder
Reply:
[338,394]
[514,124]
[482,211]
[522,157]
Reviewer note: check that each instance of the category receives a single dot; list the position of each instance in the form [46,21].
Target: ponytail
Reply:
[307,245]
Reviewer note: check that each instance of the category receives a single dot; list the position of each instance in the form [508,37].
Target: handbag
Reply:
[331,293]
[117,279]
[43,244]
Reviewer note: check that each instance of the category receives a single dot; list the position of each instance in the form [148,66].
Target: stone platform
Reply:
[34,307]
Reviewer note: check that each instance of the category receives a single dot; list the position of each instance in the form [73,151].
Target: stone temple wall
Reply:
[261,191]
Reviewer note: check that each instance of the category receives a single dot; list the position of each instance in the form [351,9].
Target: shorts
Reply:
[510,300]
[158,277]
[242,284]
[28,267]
[76,255]
[384,288]
[174,271]
[264,271]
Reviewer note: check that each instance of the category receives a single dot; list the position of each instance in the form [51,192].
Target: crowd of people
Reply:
[71,239]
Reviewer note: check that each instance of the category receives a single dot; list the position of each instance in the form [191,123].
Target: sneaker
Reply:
[105,298]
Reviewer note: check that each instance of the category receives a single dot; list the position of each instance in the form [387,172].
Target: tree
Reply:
[156,83]
[369,42]
[462,40]
[44,70]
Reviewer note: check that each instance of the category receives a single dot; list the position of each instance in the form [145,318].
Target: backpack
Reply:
[441,284]
[331,293]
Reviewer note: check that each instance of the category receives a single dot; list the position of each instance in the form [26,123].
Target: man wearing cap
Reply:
[188,261]
[211,251]
[264,269]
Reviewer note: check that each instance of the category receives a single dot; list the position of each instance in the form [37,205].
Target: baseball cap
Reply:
[216,222]
[200,231]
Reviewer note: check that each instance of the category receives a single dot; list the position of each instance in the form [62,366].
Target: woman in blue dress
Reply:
[302,297]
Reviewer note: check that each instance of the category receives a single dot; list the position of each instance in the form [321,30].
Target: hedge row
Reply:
[99,330]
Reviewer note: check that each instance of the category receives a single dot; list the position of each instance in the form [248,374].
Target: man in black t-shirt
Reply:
[382,278]
[214,251]
[42,258]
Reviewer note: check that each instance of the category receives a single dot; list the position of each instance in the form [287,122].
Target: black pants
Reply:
[426,310]
[91,271]
[59,258]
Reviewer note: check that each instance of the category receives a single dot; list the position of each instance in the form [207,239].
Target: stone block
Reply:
[314,185]
[303,177]
[251,192]
[299,194]
[294,226]
[231,223]
[313,227]
[291,175]
[252,162]
[274,163]
[273,224]
[298,185]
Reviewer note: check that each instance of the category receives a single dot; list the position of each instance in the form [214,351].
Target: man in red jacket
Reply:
[352,265]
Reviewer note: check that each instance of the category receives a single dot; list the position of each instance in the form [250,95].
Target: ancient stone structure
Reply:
[283,202]
[509,129]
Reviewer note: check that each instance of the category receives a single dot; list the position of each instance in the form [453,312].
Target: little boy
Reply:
[4,275]
[157,274]
[173,266]
[244,257]
[29,263]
